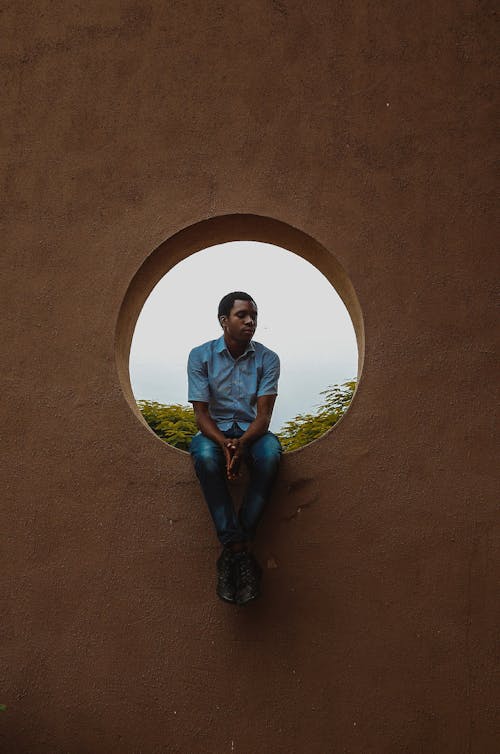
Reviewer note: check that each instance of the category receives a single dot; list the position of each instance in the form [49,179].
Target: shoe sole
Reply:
[246,602]
[226,599]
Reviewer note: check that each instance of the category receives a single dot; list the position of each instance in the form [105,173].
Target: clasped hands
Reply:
[233,448]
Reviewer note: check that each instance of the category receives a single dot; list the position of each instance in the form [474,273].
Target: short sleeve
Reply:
[198,389]
[268,384]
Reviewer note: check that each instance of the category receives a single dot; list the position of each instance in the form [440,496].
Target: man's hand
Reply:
[233,451]
[209,428]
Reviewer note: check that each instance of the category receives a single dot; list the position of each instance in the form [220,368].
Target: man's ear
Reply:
[222,320]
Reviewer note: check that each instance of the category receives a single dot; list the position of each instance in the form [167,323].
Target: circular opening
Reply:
[298,316]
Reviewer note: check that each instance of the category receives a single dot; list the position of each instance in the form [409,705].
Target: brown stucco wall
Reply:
[369,128]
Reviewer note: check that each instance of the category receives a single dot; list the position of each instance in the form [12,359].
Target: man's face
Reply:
[241,322]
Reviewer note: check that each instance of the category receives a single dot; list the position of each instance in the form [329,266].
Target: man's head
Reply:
[238,316]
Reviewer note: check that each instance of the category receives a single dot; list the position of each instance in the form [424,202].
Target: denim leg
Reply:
[264,458]
[210,467]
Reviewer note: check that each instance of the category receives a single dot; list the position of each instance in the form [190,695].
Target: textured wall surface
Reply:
[367,126]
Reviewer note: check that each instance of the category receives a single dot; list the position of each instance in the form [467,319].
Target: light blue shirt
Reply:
[231,386]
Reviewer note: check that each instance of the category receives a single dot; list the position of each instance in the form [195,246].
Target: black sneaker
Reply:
[226,576]
[248,573]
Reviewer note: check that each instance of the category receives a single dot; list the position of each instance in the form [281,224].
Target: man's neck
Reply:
[235,348]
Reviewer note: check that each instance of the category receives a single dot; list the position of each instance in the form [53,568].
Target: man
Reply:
[233,383]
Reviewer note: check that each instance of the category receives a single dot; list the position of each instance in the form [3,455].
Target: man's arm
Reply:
[205,423]
[260,425]
[266,397]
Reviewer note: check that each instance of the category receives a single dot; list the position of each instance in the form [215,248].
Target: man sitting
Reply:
[233,383]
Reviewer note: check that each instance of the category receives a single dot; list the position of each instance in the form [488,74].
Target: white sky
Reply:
[301,317]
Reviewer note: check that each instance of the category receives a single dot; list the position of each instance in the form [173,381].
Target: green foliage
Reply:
[305,428]
[175,424]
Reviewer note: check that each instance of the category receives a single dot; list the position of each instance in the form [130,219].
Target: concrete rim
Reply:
[211,232]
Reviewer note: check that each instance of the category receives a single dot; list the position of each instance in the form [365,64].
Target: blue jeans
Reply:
[262,457]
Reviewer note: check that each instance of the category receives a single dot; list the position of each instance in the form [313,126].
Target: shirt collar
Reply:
[221,346]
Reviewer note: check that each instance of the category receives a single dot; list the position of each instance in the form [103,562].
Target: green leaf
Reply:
[304,428]
[174,423]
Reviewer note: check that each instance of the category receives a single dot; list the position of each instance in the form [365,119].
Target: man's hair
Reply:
[227,303]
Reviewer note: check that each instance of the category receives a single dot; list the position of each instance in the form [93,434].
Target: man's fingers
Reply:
[232,456]
[235,459]
[235,462]
[232,470]
[228,457]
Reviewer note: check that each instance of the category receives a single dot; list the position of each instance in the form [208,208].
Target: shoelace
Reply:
[246,570]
